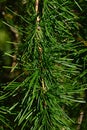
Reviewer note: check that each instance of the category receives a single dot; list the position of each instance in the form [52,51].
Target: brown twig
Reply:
[37,6]
[39,48]
[80,119]
[17,40]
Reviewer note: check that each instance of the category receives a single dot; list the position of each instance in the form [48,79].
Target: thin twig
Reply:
[39,48]
[80,119]
[37,6]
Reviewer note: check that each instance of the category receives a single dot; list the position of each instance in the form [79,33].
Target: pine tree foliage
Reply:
[48,84]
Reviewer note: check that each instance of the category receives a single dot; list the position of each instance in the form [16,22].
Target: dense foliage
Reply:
[43,65]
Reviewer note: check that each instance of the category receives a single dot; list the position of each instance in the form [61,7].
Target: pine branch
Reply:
[50,74]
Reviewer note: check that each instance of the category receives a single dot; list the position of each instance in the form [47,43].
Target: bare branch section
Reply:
[43,85]
[17,40]
[80,119]
[39,48]
[37,6]
[37,10]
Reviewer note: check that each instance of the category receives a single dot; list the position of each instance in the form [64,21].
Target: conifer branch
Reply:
[42,96]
